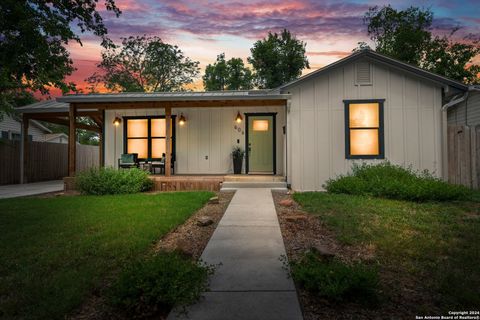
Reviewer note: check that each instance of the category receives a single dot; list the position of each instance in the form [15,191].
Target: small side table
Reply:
[158,164]
[146,166]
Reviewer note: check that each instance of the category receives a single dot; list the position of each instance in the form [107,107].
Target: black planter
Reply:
[237,165]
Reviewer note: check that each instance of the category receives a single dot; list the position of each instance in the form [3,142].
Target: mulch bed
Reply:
[400,298]
[189,238]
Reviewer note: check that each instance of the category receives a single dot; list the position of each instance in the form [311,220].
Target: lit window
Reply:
[139,146]
[147,137]
[260,125]
[364,129]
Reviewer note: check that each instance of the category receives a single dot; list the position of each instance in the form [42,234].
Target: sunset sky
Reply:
[203,29]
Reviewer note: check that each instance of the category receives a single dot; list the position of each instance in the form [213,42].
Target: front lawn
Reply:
[435,244]
[55,251]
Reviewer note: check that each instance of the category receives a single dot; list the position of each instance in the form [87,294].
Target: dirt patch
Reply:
[401,296]
[190,238]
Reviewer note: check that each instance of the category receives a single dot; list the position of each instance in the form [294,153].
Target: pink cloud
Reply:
[338,54]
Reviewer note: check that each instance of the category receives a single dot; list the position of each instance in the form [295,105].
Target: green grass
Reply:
[55,251]
[334,279]
[436,242]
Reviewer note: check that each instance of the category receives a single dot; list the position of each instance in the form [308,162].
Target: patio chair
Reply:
[128,160]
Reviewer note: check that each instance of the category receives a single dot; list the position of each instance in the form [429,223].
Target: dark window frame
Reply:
[381,129]
[149,137]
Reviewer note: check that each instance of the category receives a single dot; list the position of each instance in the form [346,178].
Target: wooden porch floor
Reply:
[205,182]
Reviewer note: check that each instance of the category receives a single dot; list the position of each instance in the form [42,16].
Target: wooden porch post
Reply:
[100,149]
[100,141]
[24,154]
[168,139]
[72,141]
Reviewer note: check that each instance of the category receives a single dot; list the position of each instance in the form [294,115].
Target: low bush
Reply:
[395,182]
[101,181]
[160,283]
[335,280]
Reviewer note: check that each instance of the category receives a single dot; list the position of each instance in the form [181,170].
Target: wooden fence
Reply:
[46,161]
[464,155]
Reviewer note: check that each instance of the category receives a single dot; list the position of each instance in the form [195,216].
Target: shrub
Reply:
[160,283]
[100,181]
[395,182]
[334,279]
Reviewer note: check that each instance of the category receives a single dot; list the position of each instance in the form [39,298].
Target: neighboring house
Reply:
[55,138]
[365,107]
[466,109]
[11,128]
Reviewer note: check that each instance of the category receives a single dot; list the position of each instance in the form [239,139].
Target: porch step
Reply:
[254,178]
[229,185]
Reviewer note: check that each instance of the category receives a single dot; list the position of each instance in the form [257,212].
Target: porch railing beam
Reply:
[46,115]
[77,124]
[182,104]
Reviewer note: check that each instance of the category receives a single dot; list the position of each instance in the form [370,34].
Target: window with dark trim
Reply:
[364,132]
[147,136]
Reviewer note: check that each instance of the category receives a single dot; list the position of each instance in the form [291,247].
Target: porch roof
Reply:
[155,99]
[174,96]
[46,106]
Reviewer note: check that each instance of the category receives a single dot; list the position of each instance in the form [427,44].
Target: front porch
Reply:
[192,133]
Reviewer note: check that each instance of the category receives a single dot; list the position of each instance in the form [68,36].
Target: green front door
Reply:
[261,144]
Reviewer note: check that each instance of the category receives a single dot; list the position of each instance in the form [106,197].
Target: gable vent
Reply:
[363,73]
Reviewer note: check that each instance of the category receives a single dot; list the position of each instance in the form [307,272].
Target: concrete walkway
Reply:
[250,283]
[30,189]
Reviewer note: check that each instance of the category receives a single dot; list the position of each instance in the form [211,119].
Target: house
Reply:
[466,109]
[11,128]
[365,107]
[55,138]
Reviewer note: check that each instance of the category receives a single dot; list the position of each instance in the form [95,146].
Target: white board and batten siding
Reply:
[205,142]
[316,123]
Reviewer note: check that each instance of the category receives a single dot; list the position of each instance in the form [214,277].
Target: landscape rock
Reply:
[213,200]
[322,251]
[286,202]
[204,221]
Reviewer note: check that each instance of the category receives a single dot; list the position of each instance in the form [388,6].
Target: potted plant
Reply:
[237,155]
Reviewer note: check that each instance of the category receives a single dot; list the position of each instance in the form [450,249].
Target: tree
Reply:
[33,36]
[406,35]
[83,136]
[227,75]
[453,59]
[402,35]
[362,45]
[278,59]
[145,64]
